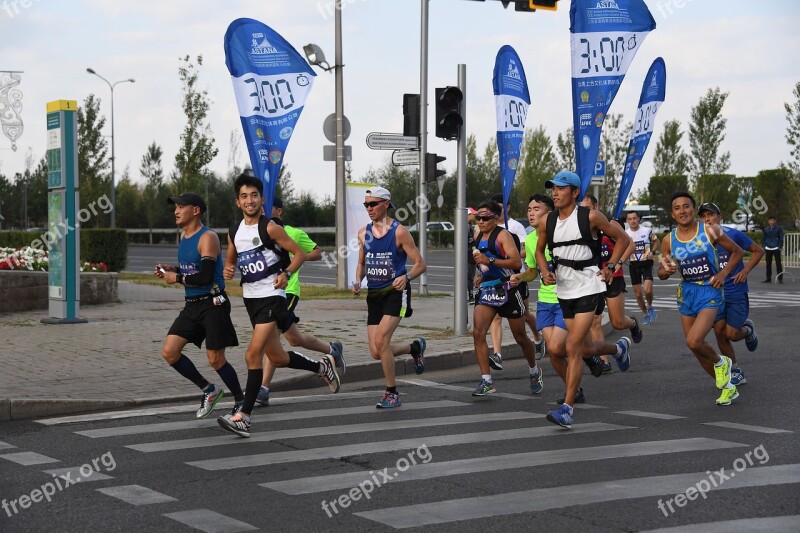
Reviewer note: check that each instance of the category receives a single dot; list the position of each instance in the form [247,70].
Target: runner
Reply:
[207,313]
[260,248]
[615,293]
[498,259]
[384,246]
[641,264]
[690,248]
[571,235]
[293,335]
[732,323]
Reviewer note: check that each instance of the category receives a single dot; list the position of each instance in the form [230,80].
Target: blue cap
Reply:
[564,178]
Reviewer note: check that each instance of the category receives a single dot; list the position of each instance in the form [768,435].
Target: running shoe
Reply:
[722,373]
[238,423]
[607,368]
[595,365]
[484,388]
[539,348]
[537,384]
[561,416]
[647,319]
[751,340]
[652,312]
[209,401]
[728,395]
[237,407]
[579,397]
[338,356]
[496,361]
[328,374]
[389,400]
[636,331]
[737,377]
[624,359]
[419,360]
[263,396]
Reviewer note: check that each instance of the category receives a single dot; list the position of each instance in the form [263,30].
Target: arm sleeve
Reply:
[206,275]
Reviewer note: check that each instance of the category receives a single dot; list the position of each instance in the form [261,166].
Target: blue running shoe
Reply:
[419,360]
[484,388]
[737,377]
[338,356]
[263,396]
[389,400]
[624,359]
[652,312]
[647,319]
[561,416]
[537,384]
[636,331]
[751,340]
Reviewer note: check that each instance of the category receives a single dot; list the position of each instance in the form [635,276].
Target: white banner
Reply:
[357,218]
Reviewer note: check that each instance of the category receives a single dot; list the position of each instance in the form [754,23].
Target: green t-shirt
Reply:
[547,293]
[306,244]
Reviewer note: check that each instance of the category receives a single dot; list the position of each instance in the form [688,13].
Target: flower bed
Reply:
[34,259]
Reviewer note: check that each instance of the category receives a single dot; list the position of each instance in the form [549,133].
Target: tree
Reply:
[483,173]
[154,194]
[706,133]
[93,162]
[660,191]
[779,192]
[793,130]
[130,203]
[537,165]
[613,150]
[670,159]
[565,147]
[285,188]
[722,189]
[197,142]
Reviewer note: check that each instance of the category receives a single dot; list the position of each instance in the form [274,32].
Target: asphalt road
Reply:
[490,464]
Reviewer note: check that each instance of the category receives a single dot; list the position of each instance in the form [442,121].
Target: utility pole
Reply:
[422,220]
[460,314]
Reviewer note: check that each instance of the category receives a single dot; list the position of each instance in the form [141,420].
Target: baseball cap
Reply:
[380,192]
[709,206]
[188,198]
[277,203]
[562,179]
[471,211]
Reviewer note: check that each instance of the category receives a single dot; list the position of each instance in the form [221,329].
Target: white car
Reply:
[436,226]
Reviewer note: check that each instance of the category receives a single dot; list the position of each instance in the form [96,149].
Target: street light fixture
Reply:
[317,57]
[113,159]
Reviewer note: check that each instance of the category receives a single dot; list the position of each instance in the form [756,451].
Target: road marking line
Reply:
[536,500]
[421,471]
[136,495]
[6,446]
[646,414]
[444,386]
[270,435]
[74,472]
[209,521]
[745,427]
[773,524]
[349,450]
[28,458]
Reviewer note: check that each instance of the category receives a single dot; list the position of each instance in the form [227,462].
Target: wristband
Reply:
[288,273]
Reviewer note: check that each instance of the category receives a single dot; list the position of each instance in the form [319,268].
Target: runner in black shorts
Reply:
[641,264]
[207,314]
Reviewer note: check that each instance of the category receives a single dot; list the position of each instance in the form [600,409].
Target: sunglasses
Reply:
[485,218]
[373,204]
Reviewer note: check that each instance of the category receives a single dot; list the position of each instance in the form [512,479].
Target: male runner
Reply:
[571,235]
[384,246]
[690,249]
[732,323]
[293,335]
[207,314]
[499,254]
[641,264]
[258,249]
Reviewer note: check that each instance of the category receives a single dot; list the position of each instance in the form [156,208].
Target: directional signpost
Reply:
[405,157]
[599,176]
[392,141]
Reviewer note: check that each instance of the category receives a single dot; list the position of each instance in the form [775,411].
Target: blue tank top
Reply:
[384,262]
[724,255]
[697,259]
[494,272]
[189,263]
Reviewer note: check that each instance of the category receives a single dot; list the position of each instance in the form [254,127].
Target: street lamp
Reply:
[113,159]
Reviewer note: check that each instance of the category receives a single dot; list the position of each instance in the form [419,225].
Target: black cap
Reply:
[188,198]
[277,203]
[709,206]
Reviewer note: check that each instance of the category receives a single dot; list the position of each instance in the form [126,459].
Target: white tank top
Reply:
[247,238]
[571,283]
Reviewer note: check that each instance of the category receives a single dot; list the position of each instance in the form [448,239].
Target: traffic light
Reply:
[448,112]
[411,115]
[432,173]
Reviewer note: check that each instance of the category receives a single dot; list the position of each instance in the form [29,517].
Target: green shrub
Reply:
[18,238]
[107,245]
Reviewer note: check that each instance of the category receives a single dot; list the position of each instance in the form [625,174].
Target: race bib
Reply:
[252,266]
[493,295]
[696,269]
[380,270]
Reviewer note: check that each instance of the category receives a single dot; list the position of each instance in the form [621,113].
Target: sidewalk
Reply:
[114,361]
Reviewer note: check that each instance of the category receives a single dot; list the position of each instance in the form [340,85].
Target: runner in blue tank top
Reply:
[384,246]
[732,323]
[689,248]
[207,314]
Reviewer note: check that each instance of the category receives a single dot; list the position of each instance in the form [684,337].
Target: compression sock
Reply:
[254,378]
[186,368]
[231,380]
[298,360]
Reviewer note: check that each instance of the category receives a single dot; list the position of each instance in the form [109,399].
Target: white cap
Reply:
[380,192]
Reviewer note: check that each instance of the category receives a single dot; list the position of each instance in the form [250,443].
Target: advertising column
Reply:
[62,202]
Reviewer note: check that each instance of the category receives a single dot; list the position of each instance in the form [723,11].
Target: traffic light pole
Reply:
[341,225]
[422,219]
[460,314]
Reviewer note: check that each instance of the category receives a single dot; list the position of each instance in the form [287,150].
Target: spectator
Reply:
[772,241]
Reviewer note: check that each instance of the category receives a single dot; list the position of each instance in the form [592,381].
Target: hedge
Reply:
[109,246]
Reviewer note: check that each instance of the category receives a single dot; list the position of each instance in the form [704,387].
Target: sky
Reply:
[746,48]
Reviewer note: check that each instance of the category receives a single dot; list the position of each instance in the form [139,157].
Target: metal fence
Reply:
[791,250]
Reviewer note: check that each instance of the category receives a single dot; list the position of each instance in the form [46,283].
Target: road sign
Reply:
[599,177]
[392,141]
[329,128]
[329,152]
[405,157]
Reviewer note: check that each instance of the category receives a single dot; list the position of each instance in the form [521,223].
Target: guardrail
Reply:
[790,254]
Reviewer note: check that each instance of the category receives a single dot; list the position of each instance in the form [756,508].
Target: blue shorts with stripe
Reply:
[549,315]
[735,311]
[693,298]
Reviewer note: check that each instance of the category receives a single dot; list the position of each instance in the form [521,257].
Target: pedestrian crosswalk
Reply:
[449,435]
[758,300]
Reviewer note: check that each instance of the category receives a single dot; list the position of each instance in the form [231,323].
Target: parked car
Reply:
[436,226]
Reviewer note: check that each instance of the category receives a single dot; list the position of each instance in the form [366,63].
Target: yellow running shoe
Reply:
[727,396]
[723,373]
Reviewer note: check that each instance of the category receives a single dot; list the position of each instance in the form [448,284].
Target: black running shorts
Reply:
[388,301]
[584,304]
[270,309]
[199,321]
[641,270]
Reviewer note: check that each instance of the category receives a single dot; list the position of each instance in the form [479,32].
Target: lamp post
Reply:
[113,159]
